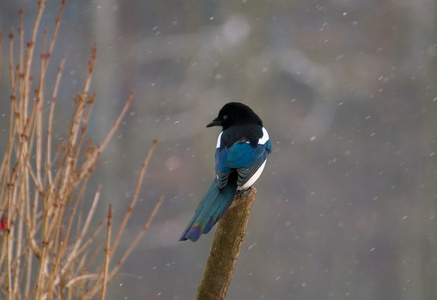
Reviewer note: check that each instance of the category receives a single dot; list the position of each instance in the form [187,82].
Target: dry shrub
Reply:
[48,247]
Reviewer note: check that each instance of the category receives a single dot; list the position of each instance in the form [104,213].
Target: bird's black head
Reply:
[234,113]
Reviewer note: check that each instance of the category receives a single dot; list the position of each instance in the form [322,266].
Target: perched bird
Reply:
[240,157]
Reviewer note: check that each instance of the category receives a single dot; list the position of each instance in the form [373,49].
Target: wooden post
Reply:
[226,248]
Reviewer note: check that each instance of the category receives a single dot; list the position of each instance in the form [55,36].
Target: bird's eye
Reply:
[225,117]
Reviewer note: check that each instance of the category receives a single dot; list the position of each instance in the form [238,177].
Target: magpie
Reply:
[240,156]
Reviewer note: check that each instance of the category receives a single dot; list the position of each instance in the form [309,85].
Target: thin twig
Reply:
[30,49]
[39,96]
[56,29]
[77,244]
[80,278]
[107,255]
[138,237]
[90,239]
[87,165]
[90,71]
[50,122]
[135,197]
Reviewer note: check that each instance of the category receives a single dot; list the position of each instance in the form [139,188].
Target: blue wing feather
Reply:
[241,157]
[221,169]
[212,207]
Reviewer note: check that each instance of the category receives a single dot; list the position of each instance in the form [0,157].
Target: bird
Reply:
[240,156]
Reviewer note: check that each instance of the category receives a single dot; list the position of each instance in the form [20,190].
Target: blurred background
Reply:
[346,207]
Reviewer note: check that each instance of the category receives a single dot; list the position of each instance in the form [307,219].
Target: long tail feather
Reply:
[212,207]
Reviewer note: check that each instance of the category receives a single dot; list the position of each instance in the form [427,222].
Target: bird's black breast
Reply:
[241,134]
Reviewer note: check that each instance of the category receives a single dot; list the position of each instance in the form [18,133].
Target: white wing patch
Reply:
[264,138]
[218,140]
[252,179]
[261,141]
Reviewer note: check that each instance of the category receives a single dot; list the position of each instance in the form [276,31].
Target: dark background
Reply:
[346,207]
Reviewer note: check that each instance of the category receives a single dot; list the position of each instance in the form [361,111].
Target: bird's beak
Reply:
[215,122]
